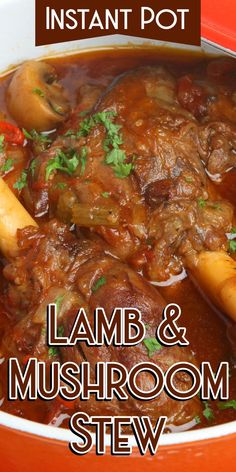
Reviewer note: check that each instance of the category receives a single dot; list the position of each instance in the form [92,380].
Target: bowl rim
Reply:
[50,432]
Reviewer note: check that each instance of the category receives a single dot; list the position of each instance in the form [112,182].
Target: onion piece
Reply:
[13,216]
[215,272]
[86,216]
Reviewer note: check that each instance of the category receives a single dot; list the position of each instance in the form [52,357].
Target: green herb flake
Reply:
[105,194]
[86,127]
[57,109]
[61,185]
[2,139]
[202,203]
[21,182]
[26,134]
[39,92]
[32,167]
[123,170]
[65,162]
[116,158]
[71,133]
[83,158]
[208,412]
[60,331]
[197,419]
[232,245]
[33,135]
[43,332]
[114,155]
[100,282]
[227,405]
[8,165]
[52,352]
[58,302]
[233,230]
[84,113]
[152,345]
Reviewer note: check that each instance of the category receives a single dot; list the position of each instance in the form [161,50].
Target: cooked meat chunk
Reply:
[218,147]
[162,197]
[126,194]
[54,262]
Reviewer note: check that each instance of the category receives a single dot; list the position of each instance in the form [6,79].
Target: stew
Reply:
[124,161]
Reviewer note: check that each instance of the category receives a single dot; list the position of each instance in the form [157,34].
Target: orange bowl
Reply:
[27,446]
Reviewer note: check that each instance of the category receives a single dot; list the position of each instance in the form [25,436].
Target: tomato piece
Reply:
[192,96]
[142,257]
[220,67]
[11,133]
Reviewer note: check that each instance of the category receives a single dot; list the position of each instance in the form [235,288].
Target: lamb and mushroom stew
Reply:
[118,189]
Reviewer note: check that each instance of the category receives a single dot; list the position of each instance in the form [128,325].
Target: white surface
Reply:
[17,45]
[17,36]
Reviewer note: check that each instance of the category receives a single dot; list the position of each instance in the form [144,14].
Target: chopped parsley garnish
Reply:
[52,352]
[2,138]
[7,166]
[152,345]
[208,412]
[202,203]
[57,108]
[232,245]
[61,185]
[232,242]
[114,155]
[197,419]
[70,133]
[100,282]
[84,113]
[226,405]
[105,194]
[33,135]
[83,157]
[32,167]
[21,182]
[64,162]
[27,134]
[67,162]
[60,331]
[101,118]
[39,92]
[58,302]
[116,158]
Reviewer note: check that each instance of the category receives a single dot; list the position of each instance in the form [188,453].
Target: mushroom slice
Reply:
[35,98]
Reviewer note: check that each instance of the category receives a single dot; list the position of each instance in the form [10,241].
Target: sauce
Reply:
[207,329]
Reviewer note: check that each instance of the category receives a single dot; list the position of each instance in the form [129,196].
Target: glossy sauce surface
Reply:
[207,330]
